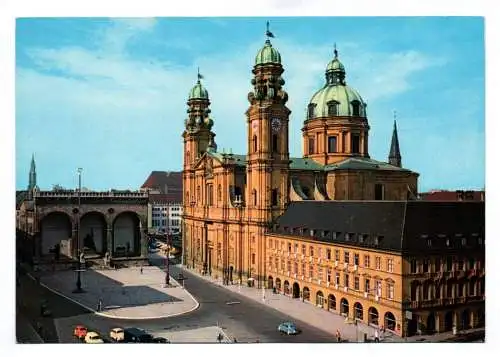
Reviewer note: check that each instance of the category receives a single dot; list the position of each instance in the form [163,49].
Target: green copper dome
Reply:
[268,54]
[346,102]
[198,92]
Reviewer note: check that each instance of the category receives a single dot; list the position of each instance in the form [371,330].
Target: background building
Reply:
[458,195]
[165,201]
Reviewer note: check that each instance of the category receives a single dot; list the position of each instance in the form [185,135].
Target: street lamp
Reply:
[79,255]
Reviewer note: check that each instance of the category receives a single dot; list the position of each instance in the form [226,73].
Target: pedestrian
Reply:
[99,305]
[141,269]
[337,334]
[377,338]
[234,340]
[219,337]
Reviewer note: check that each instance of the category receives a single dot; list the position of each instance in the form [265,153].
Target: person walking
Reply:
[99,306]
[337,334]
[219,337]
[141,269]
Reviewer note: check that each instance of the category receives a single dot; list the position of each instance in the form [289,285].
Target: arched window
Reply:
[254,143]
[274,197]
[310,111]
[275,143]
[254,197]
[356,108]
[311,146]
[332,108]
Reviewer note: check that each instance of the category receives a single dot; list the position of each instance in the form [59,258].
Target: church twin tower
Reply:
[231,200]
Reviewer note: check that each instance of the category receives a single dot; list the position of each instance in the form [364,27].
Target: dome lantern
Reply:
[335,71]
[198,91]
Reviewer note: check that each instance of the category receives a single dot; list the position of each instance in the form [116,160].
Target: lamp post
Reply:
[79,255]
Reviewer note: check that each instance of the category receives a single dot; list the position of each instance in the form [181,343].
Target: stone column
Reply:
[74,234]
[109,239]
[143,240]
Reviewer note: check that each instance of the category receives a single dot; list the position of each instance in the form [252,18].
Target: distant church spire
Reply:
[32,177]
[394,153]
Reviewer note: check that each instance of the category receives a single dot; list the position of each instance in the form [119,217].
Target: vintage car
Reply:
[80,331]
[93,337]
[117,334]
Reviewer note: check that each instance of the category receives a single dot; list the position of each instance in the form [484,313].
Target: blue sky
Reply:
[109,95]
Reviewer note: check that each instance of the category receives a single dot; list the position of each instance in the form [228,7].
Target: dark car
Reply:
[160,340]
[136,335]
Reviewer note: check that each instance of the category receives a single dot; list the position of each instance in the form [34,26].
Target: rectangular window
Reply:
[282,264]
[346,280]
[367,285]
[449,263]
[303,271]
[378,288]
[253,258]
[413,266]
[356,283]
[303,249]
[346,257]
[332,144]
[337,255]
[390,265]
[320,273]
[276,244]
[311,270]
[367,261]
[425,266]
[329,275]
[311,146]
[461,264]
[355,144]
[337,278]
[356,259]
[328,254]
[311,251]
[379,192]
[437,265]
[344,141]
[377,263]
[289,247]
[288,265]
[274,197]
[471,263]
[319,253]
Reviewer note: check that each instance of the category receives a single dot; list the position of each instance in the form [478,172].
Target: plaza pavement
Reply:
[125,293]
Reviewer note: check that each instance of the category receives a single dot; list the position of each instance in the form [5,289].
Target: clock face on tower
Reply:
[276,124]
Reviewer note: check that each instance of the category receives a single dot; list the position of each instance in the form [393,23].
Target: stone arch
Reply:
[358,311]
[56,228]
[373,316]
[389,321]
[465,319]
[295,290]
[431,323]
[278,284]
[427,290]
[93,230]
[306,293]
[320,299]
[270,280]
[126,234]
[332,302]
[450,288]
[344,306]
[286,287]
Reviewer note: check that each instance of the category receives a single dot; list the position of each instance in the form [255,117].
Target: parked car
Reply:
[93,337]
[160,340]
[117,334]
[136,335]
[80,331]
[288,328]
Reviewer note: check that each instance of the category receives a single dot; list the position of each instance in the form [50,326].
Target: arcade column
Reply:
[109,240]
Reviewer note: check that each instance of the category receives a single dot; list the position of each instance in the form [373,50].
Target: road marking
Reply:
[232,302]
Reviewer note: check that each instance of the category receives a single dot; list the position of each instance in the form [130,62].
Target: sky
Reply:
[109,94]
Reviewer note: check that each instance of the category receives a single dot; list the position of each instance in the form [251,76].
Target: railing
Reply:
[84,194]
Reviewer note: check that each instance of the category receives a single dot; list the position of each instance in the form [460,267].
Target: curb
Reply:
[197,305]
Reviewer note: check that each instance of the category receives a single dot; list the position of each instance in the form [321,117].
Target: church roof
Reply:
[363,163]
[300,163]
[239,160]
[401,226]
